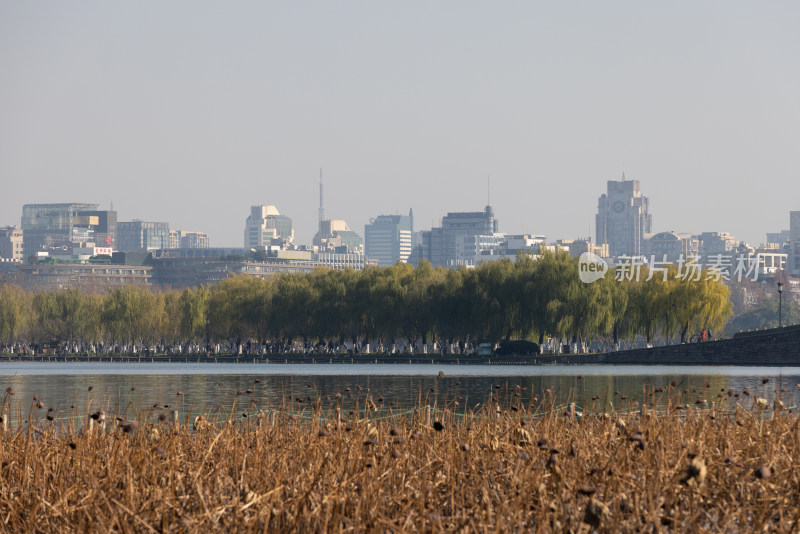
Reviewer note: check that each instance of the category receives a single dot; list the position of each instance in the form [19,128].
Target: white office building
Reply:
[623,218]
[266,226]
[388,238]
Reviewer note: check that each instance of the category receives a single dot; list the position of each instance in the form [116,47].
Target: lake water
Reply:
[74,389]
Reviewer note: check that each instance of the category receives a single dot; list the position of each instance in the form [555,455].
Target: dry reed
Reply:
[507,466]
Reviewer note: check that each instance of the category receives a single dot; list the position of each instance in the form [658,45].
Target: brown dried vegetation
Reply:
[488,470]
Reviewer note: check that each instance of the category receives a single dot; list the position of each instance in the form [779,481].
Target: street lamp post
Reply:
[780,304]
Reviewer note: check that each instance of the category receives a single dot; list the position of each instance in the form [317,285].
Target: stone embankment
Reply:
[774,347]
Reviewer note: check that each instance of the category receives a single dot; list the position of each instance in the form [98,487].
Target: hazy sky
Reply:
[191,112]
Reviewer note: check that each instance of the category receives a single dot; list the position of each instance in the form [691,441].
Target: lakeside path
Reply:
[774,347]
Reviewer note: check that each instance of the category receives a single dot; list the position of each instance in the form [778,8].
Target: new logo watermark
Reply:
[719,268]
[591,267]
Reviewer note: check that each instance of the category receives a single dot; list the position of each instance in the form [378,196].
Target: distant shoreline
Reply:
[777,347]
[277,359]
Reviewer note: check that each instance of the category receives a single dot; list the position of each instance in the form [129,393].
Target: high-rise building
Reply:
[439,244]
[11,244]
[713,244]
[623,218]
[387,238]
[184,239]
[142,235]
[266,226]
[98,227]
[794,243]
[778,238]
[56,227]
[334,233]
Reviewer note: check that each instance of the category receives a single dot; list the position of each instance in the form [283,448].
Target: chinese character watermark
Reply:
[718,268]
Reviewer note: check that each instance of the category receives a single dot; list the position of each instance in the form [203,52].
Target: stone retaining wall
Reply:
[774,347]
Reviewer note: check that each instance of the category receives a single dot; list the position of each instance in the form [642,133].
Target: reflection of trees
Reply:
[203,394]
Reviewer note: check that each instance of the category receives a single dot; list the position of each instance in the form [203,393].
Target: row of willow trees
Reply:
[535,297]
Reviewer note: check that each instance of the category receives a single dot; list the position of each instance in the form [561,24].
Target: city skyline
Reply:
[192,113]
[550,239]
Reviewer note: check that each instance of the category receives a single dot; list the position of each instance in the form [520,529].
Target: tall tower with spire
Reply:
[334,233]
[321,209]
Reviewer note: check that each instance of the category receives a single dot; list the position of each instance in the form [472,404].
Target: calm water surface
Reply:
[239,388]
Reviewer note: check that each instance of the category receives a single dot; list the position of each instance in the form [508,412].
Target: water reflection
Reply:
[76,389]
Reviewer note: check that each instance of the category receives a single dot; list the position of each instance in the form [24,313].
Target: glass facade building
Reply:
[388,238]
[141,235]
[55,227]
[439,244]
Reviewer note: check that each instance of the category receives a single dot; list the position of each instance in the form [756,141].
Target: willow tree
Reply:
[328,316]
[474,303]
[132,314]
[575,310]
[48,323]
[648,298]
[425,307]
[360,303]
[66,315]
[503,304]
[716,306]
[556,275]
[15,313]
[524,285]
[169,327]
[238,308]
[594,307]
[193,309]
[692,303]
[617,292]
[91,327]
[293,298]
[443,308]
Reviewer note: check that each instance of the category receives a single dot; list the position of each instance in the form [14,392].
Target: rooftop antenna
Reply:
[112,205]
[623,176]
[321,209]
[488,190]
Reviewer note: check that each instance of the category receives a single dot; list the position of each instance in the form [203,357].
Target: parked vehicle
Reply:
[484,349]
